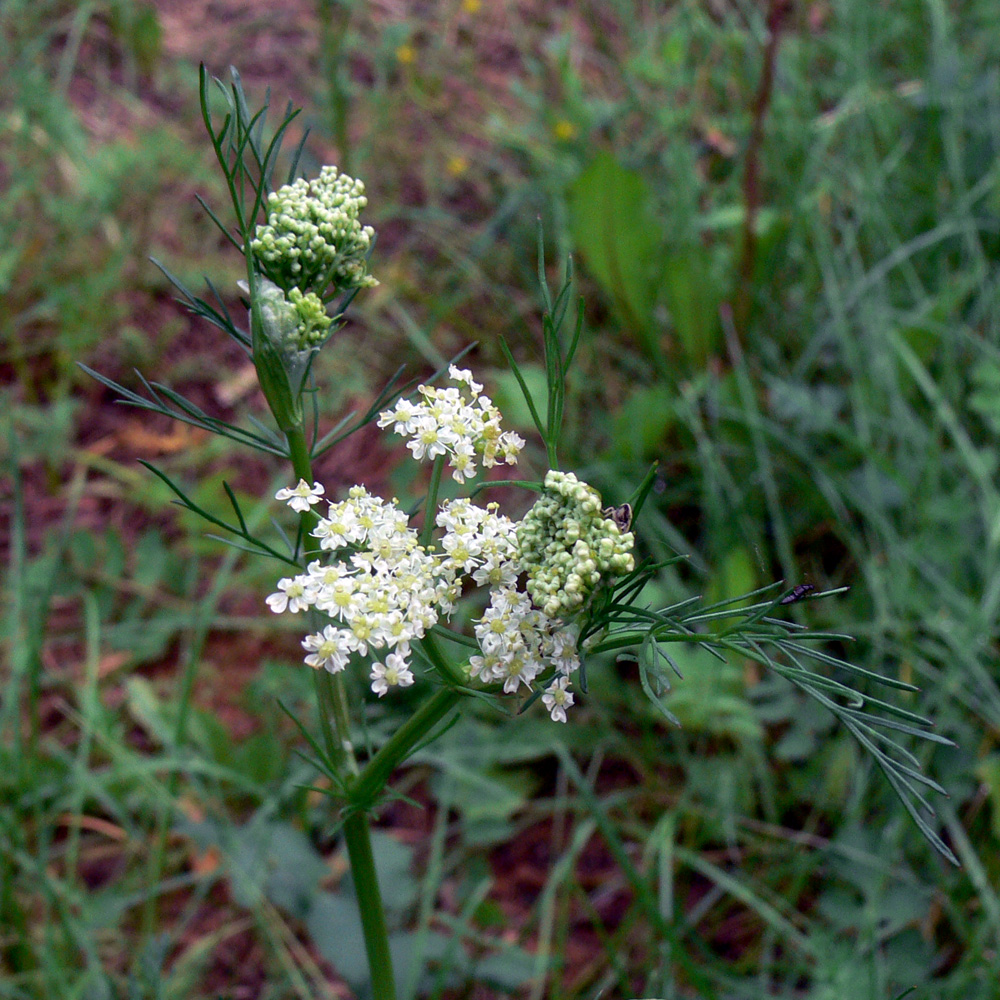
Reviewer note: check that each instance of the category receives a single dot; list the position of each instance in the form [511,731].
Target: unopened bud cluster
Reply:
[295,323]
[313,326]
[313,238]
[567,545]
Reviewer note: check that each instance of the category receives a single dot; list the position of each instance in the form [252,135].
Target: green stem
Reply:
[330,694]
[298,452]
[324,700]
[397,748]
[332,703]
[366,889]
[430,505]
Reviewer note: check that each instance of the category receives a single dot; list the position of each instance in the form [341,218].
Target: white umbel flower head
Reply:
[449,422]
[382,590]
[519,642]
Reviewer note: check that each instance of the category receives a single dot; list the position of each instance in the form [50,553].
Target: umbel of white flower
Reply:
[313,238]
[568,546]
[445,422]
[384,590]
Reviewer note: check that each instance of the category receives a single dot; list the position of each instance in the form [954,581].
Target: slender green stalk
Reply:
[298,452]
[372,780]
[332,705]
[397,748]
[366,888]
[430,504]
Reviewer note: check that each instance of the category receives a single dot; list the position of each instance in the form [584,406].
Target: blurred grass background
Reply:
[785,219]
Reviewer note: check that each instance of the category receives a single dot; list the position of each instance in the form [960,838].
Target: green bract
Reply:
[286,330]
[313,238]
[568,546]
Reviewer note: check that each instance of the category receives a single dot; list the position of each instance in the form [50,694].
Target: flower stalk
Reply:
[369,896]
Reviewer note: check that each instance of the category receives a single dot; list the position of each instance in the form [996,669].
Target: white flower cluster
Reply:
[479,542]
[568,545]
[382,590]
[313,237]
[519,642]
[446,423]
[389,591]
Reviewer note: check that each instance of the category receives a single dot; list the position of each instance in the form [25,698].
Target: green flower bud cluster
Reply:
[312,237]
[313,326]
[568,546]
[293,323]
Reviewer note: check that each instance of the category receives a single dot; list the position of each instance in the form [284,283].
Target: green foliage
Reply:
[609,218]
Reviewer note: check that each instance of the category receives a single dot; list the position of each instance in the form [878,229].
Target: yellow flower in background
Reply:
[564,130]
[406,54]
[471,6]
[456,165]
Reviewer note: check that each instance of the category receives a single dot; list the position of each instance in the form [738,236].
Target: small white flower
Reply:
[291,595]
[403,417]
[511,443]
[340,599]
[340,527]
[327,649]
[427,439]
[557,699]
[457,374]
[359,637]
[302,496]
[393,673]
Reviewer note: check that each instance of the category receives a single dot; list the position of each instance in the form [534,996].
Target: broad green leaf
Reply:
[507,970]
[611,217]
[692,297]
[394,864]
[641,424]
[334,925]
[711,698]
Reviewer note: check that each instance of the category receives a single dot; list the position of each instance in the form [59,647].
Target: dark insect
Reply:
[622,516]
[797,593]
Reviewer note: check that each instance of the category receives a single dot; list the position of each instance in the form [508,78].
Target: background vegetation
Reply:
[786,224]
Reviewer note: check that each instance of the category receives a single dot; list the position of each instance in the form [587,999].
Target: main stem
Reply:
[332,702]
[373,926]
